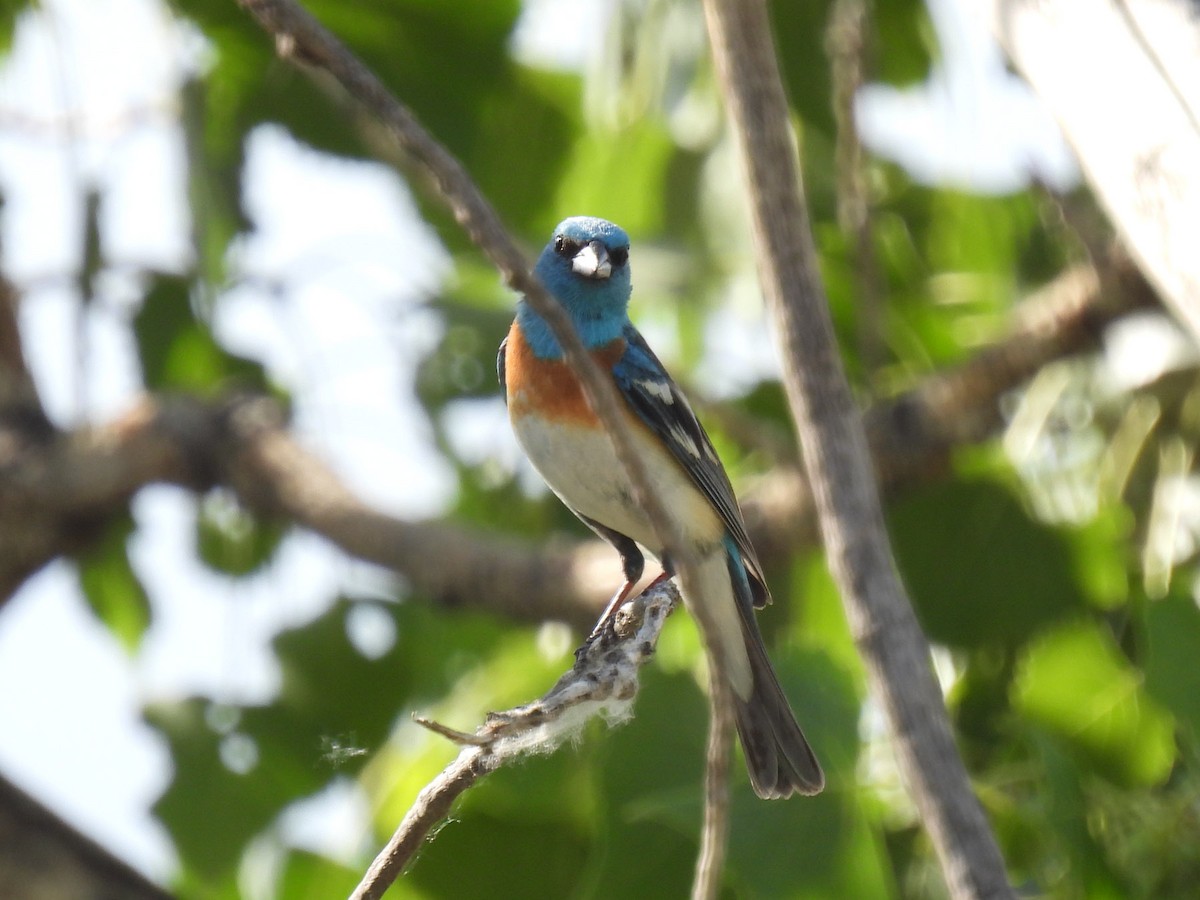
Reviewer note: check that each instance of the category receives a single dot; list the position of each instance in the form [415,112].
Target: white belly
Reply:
[581,466]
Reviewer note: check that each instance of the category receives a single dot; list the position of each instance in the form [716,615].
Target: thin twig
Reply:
[603,681]
[845,42]
[837,458]
[16,383]
[431,807]
[52,484]
[44,856]
[300,36]
[706,884]
[1139,150]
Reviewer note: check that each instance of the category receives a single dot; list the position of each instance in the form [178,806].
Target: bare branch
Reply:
[604,680]
[54,491]
[54,488]
[845,42]
[714,837]
[300,37]
[431,806]
[16,385]
[837,458]
[1140,148]
[298,34]
[43,856]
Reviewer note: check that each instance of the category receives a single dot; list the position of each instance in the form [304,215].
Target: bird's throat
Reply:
[595,332]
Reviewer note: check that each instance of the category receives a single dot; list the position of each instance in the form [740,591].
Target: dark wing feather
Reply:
[645,385]
[500,373]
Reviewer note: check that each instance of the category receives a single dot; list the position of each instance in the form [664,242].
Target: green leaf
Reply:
[214,159]
[544,804]
[651,771]
[483,108]
[904,44]
[235,770]
[1065,810]
[211,810]
[652,788]
[1074,683]
[490,858]
[621,175]
[112,588]
[1172,628]
[10,11]
[464,363]
[834,849]
[231,540]
[178,351]
[800,38]
[835,843]
[979,569]
[307,876]
[1102,555]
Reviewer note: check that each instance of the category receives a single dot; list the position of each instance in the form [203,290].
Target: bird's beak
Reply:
[592,261]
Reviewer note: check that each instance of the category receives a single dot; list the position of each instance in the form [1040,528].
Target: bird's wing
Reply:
[660,403]
[500,373]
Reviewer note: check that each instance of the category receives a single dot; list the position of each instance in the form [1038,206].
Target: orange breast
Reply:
[548,387]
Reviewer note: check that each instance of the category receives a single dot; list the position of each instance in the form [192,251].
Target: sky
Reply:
[324,306]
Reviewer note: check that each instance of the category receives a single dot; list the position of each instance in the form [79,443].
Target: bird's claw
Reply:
[605,632]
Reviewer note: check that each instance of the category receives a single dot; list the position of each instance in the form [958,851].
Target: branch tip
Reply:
[451,734]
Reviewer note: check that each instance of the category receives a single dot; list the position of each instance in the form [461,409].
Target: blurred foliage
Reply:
[111,587]
[10,11]
[1053,568]
[231,540]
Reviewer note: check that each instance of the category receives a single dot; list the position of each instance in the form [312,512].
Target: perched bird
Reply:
[586,268]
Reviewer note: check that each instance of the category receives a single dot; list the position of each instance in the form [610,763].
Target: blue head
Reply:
[586,268]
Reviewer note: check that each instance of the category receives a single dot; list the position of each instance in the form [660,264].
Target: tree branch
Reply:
[714,835]
[302,39]
[16,384]
[43,856]
[845,43]
[54,492]
[604,680]
[837,458]
[55,488]
[1140,148]
[300,36]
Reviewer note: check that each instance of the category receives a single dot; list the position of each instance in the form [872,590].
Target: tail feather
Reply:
[780,761]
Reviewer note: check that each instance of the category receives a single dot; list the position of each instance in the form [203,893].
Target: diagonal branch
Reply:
[300,36]
[837,456]
[1140,149]
[604,680]
[44,856]
[53,493]
[714,835]
[16,384]
[54,487]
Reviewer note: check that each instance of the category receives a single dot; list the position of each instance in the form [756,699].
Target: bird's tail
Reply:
[780,761]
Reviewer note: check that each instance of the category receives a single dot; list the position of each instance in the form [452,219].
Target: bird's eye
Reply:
[564,246]
[619,256]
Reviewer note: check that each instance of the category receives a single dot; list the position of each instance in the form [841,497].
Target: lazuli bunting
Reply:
[586,268]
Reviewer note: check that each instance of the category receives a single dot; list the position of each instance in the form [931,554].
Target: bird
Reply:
[585,268]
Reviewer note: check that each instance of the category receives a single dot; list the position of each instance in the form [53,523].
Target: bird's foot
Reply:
[604,629]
